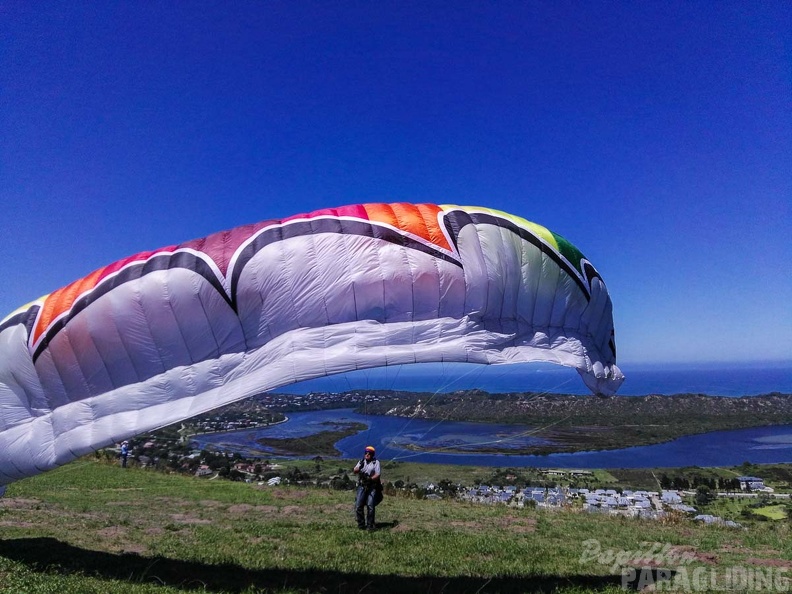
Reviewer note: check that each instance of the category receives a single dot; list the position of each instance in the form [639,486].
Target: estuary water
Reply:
[395,438]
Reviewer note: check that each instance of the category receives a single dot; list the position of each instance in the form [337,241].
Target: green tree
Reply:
[703,495]
[449,488]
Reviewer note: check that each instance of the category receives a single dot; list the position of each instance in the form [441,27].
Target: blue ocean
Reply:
[716,379]
[396,438]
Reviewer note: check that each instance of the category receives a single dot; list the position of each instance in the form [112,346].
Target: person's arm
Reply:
[357,467]
[376,474]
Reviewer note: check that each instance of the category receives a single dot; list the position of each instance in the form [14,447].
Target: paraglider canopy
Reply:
[164,335]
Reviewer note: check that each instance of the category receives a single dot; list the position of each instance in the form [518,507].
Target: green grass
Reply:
[93,527]
[774,512]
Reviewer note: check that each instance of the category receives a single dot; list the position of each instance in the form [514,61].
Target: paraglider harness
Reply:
[366,481]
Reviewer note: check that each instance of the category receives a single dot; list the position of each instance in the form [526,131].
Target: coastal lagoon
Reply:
[398,438]
[394,436]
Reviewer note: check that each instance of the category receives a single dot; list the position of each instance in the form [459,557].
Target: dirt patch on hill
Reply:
[739,549]
[134,548]
[185,519]
[515,525]
[172,502]
[767,552]
[240,508]
[464,525]
[675,555]
[246,508]
[112,532]
[685,552]
[519,525]
[769,562]
[11,524]
[19,503]
[281,494]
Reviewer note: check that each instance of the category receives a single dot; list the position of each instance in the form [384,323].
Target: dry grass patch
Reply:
[186,519]
[763,562]
[19,503]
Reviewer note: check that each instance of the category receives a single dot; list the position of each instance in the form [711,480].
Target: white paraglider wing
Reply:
[165,335]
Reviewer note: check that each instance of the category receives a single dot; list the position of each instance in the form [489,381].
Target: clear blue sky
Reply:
[656,136]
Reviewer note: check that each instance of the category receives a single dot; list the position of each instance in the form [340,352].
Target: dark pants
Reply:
[365,498]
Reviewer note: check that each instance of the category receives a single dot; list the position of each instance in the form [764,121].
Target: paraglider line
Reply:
[435,393]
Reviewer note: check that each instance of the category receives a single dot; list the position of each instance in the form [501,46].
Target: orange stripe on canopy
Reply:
[62,300]
[417,219]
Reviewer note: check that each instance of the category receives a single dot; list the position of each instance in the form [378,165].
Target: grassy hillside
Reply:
[91,527]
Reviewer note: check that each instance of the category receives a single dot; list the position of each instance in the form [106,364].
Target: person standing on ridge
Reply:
[369,491]
[124,453]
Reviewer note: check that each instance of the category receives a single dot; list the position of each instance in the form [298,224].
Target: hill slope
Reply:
[92,527]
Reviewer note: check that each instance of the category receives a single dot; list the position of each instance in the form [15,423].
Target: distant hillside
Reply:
[575,423]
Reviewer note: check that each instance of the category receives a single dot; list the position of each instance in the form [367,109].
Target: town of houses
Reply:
[637,504]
